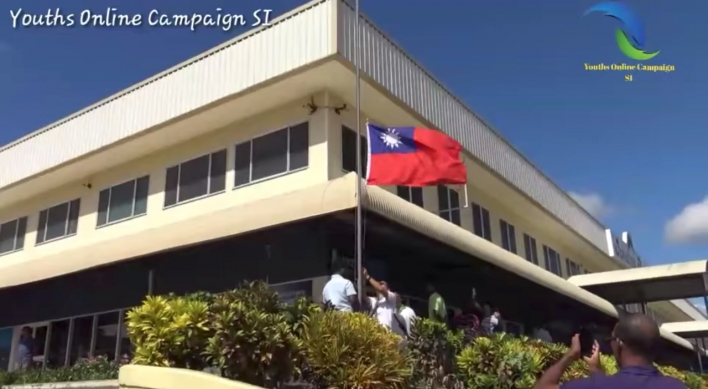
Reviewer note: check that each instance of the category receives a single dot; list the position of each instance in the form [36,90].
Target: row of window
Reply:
[273,154]
[449,209]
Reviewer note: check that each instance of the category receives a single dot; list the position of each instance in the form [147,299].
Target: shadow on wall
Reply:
[150,377]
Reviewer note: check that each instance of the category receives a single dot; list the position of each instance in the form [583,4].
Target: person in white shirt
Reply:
[383,306]
[339,291]
[406,314]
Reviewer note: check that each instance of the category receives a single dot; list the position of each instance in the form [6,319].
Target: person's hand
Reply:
[593,360]
[364,273]
[575,349]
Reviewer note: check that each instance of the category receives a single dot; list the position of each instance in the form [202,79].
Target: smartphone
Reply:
[587,341]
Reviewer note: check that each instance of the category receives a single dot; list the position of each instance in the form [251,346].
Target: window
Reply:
[530,249]
[449,204]
[58,221]
[195,178]
[553,262]
[412,194]
[123,201]
[508,234]
[480,222]
[573,268]
[349,150]
[272,154]
[12,235]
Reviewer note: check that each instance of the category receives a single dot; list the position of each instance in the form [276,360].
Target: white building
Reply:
[147,190]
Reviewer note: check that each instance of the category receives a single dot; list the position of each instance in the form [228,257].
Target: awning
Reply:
[647,284]
[330,197]
[688,329]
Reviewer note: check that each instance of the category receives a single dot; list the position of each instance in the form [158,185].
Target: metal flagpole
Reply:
[359,248]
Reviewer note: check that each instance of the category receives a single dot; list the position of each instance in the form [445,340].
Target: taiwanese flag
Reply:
[413,156]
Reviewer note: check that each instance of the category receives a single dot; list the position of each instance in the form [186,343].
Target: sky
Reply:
[633,153]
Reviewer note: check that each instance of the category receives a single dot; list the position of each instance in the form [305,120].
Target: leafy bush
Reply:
[352,350]
[170,331]
[433,349]
[499,361]
[252,341]
[84,370]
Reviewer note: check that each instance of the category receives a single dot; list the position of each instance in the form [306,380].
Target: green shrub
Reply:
[251,340]
[170,331]
[84,370]
[499,362]
[353,351]
[433,348]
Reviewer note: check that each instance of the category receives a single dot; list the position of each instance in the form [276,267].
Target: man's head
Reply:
[345,271]
[635,339]
[26,332]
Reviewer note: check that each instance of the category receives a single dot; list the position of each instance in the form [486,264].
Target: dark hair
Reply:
[26,329]
[639,333]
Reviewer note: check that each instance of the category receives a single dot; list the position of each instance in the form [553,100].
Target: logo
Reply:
[630,38]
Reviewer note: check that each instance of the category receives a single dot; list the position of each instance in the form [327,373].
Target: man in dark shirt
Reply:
[634,341]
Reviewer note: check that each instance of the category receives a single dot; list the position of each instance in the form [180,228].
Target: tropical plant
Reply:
[433,348]
[352,350]
[499,362]
[251,339]
[169,331]
[97,369]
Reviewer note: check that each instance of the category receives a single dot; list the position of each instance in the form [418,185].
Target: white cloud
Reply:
[690,225]
[593,203]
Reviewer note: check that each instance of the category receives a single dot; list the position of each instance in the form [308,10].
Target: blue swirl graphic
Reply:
[632,25]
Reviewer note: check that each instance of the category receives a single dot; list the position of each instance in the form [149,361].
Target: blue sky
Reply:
[634,152]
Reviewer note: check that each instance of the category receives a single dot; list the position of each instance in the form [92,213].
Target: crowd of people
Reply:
[634,340]
[388,308]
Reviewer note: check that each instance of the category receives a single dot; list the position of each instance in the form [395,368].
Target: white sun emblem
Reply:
[391,138]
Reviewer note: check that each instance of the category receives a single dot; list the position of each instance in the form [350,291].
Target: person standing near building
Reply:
[634,342]
[25,349]
[406,314]
[383,305]
[339,291]
[436,304]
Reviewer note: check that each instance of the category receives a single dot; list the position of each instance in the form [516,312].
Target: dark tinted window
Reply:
[272,154]
[195,178]
[530,249]
[449,204]
[123,201]
[552,259]
[508,235]
[480,222]
[12,235]
[58,221]
[411,194]
[349,150]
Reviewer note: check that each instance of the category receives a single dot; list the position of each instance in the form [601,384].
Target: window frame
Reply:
[572,267]
[531,241]
[66,228]
[409,192]
[508,233]
[552,259]
[17,234]
[179,171]
[450,210]
[108,207]
[364,149]
[288,170]
[485,223]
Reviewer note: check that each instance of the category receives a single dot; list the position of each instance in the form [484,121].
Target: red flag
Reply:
[413,156]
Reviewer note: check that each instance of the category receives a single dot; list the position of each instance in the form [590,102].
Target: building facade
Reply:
[225,139]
